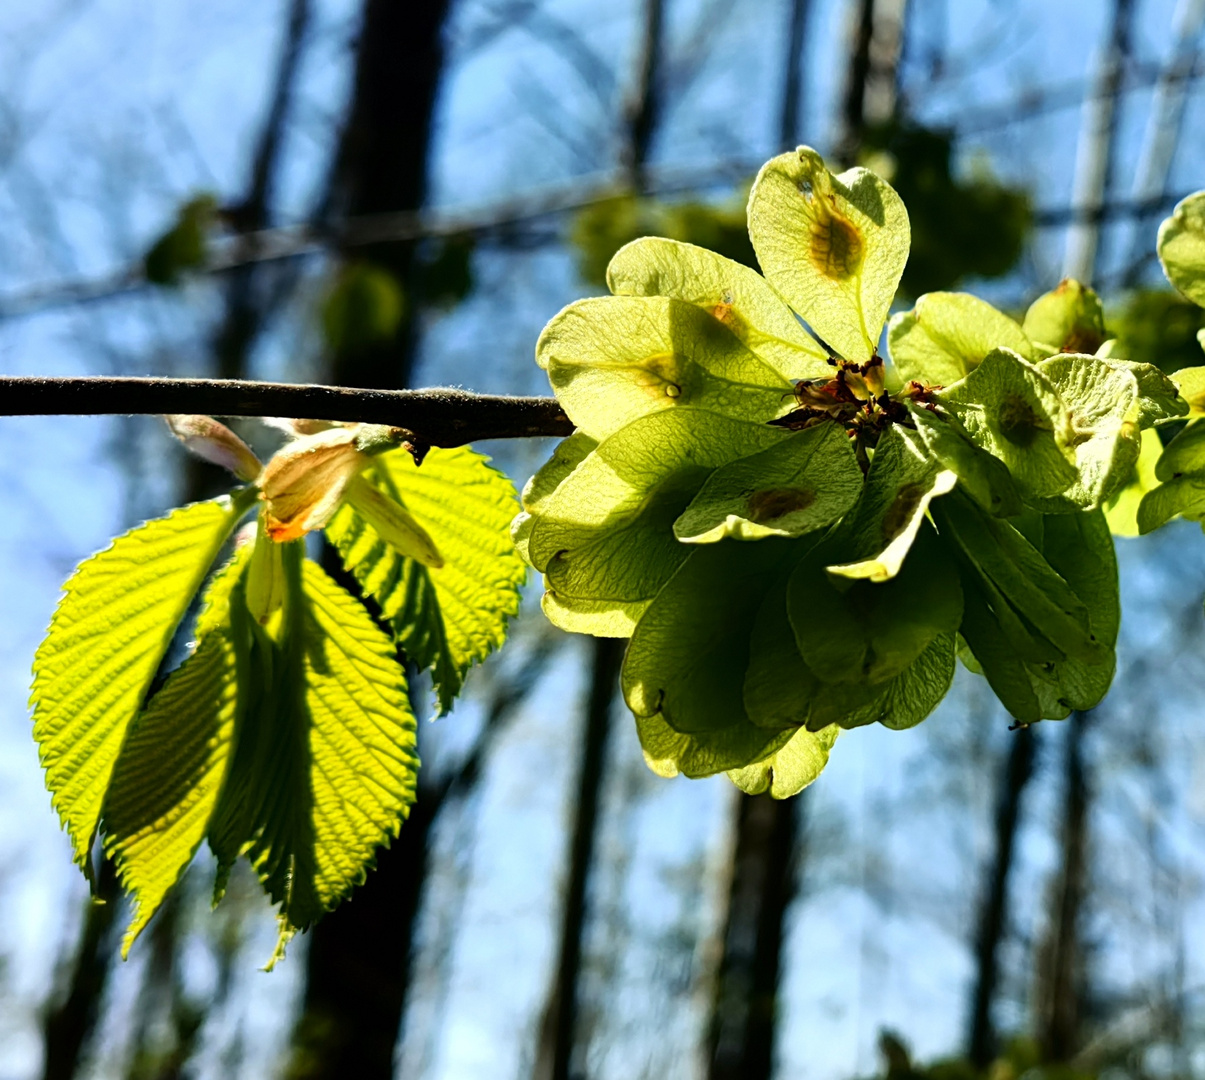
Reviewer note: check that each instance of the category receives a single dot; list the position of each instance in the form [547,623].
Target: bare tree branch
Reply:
[440,417]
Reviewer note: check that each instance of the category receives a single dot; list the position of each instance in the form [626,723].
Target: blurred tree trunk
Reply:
[554,1054]
[556,1038]
[871,93]
[358,963]
[1096,156]
[69,1026]
[764,883]
[253,290]
[1062,967]
[992,922]
[1165,124]
[766,858]
[643,103]
[789,129]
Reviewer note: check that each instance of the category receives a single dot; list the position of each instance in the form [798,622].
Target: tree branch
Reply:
[440,417]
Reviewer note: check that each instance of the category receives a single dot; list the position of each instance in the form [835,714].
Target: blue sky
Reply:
[111,113]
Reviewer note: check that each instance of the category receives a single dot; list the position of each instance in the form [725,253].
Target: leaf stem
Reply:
[438,417]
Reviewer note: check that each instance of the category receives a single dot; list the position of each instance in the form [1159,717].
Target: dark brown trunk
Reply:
[642,110]
[852,120]
[1063,967]
[788,125]
[993,915]
[1096,157]
[382,160]
[555,1057]
[358,963]
[764,884]
[68,1026]
[871,93]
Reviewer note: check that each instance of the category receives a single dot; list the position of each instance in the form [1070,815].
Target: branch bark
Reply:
[440,417]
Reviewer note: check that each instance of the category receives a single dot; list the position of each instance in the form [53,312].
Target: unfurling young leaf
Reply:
[286,733]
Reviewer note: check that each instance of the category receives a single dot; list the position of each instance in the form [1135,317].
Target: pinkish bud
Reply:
[215,443]
[305,480]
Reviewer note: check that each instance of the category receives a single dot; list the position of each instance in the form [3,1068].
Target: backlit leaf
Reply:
[1182,247]
[947,335]
[805,482]
[167,779]
[736,295]
[604,538]
[105,643]
[1069,318]
[833,246]
[616,358]
[331,753]
[1014,412]
[1103,402]
[790,768]
[451,617]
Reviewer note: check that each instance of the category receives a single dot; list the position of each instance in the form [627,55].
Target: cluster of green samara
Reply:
[798,539]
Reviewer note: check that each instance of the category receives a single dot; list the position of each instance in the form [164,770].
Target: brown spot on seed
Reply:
[901,511]
[774,503]
[1018,422]
[837,248]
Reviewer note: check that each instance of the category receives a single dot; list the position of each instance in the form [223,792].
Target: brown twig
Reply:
[439,417]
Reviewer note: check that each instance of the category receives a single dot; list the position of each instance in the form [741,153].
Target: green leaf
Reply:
[1067,319]
[446,619]
[869,631]
[167,779]
[985,478]
[1019,584]
[613,359]
[790,768]
[671,753]
[1182,247]
[913,694]
[781,691]
[1013,411]
[1104,404]
[833,246]
[902,482]
[1079,548]
[365,304]
[995,654]
[1182,497]
[567,456]
[105,643]
[1121,511]
[1191,384]
[604,537]
[736,295]
[1184,454]
[803,483]
[947,335]
[1159,399]
[687,658]
[328,761]
[1181,468]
